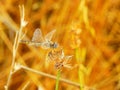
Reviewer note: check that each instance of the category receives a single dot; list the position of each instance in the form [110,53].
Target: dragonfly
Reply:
[39,40]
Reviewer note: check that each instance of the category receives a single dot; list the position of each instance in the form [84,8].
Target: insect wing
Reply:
[61,54]
[37,36]
[67,59]
[49,36]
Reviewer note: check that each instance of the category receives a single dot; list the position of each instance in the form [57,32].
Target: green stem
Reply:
[80,73]
[57,80]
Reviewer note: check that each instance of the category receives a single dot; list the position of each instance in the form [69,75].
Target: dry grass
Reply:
[87,29]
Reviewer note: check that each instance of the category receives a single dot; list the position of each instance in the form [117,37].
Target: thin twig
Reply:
[53,77]
[26,85]
[13,62]
[16,44]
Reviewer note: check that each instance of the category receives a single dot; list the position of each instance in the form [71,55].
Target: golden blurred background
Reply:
[87,29]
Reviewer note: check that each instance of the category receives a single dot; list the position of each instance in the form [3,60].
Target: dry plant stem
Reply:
[26,85]
[52,77]
[13,62]
[15,46]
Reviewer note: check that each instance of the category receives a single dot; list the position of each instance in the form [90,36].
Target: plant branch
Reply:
[16,44]
[53,77]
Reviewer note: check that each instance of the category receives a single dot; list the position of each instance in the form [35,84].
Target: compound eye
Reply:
[55,45]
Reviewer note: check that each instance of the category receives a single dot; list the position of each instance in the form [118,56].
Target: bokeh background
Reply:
[87,29]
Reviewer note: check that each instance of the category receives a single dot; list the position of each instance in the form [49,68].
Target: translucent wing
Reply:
[61,56]
[49,36]
[37,36]
[67,59]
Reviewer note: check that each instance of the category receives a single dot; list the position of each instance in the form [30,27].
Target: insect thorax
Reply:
[54,45]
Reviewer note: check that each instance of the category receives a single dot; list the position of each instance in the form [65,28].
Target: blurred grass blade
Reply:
[57,81]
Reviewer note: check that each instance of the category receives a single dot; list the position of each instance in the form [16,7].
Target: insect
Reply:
[59,59]
[55,54]
[64,62]
[39,40]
